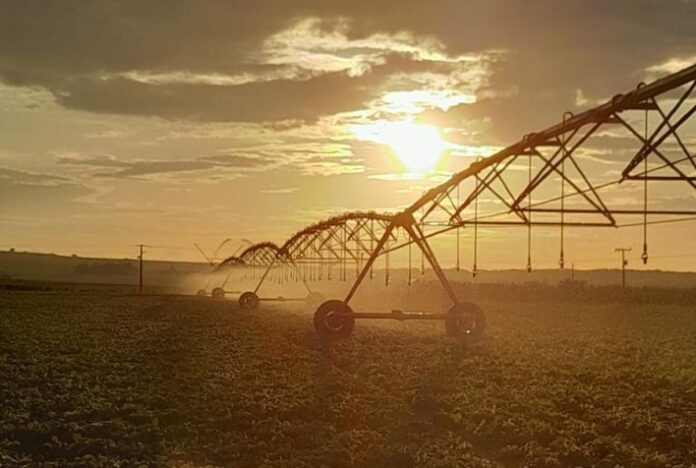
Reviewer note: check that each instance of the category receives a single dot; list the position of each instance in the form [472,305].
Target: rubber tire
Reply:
[249,301]
[334,320]
[465,320]
[314,300]
[218,293]
[201,292]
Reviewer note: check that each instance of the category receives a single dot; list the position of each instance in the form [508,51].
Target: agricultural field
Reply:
[97,379]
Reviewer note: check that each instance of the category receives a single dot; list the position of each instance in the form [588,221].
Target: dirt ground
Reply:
[174,381]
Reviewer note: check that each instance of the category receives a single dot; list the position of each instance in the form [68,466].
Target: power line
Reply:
[166,247]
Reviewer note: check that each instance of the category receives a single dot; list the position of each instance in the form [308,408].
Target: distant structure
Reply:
[623,251]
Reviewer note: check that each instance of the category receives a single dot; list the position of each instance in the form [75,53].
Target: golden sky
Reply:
[174,122]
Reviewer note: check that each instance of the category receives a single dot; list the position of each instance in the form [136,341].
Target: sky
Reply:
[177,122]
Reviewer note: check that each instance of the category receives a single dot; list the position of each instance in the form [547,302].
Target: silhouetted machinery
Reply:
[561,177]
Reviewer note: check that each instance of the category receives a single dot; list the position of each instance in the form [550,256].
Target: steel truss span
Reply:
[261,254]
[327,250]
[554,178]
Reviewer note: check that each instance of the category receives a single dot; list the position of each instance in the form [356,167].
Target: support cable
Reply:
[422,268]
[409,263]
[644,255]
[561,260]
[344,276]
[474,270]
[660,221]
[458,233]
[386,261]
[529,221]
[372,244]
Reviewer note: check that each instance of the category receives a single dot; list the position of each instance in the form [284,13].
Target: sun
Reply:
[418,147]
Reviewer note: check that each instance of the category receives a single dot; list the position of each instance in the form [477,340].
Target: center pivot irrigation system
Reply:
[605,167]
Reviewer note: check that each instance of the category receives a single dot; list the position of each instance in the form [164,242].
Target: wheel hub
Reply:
[334,320]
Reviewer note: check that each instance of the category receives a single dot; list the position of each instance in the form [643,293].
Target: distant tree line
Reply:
[579,291]
[421,295]
[106,269]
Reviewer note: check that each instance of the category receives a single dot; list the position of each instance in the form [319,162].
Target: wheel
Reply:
[334,319]
[314,300]
[218,293]
[201,292]
[465,319]
[249,300]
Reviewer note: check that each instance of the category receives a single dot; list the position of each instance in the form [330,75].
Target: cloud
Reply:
[141,168]
[15,176]
[251,102]
[232,160]
[91,161]
[296,99]
[280,191]
[110,133]
[672,65]
[210,61]
[145,168]
[21,189]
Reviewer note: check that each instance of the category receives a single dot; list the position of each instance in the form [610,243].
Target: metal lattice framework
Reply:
[342,242]
[256,255]
[546,179]
[563,177]
[329,249]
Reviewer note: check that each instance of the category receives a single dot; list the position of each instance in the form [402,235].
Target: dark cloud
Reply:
[93,161]
[19,189]
[24,177]
[276,100]
[85,36]
[233,160]
[555,48]
[558,48]
[145,168]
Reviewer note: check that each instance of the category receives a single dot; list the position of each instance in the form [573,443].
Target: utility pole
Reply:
[140,269]
[624,262]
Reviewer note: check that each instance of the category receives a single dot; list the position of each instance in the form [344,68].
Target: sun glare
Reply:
[418,147]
